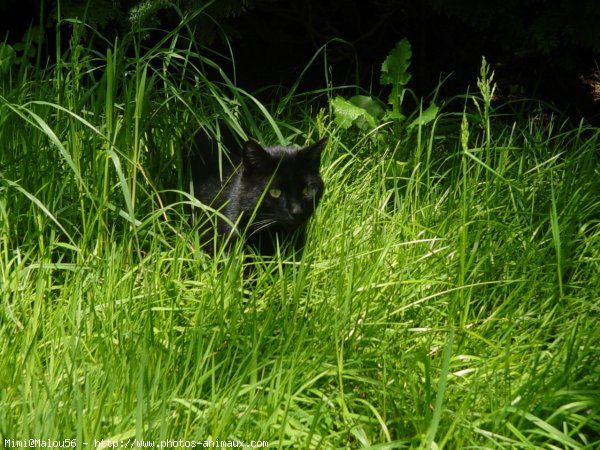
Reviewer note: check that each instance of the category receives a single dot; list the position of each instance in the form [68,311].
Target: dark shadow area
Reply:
[543,51]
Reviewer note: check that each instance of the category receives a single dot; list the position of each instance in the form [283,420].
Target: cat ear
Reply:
[313,152]
[255,157]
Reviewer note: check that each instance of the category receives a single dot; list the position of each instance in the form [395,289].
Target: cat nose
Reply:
[296,209]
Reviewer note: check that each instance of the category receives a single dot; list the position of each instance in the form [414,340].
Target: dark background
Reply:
[546,50]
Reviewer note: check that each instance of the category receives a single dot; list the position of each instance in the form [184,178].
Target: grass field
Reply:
[448,296]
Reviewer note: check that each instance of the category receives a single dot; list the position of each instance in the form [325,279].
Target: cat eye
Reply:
[275,193]
[308,191]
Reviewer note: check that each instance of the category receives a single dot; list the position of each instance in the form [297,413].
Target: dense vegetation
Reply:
[447,298]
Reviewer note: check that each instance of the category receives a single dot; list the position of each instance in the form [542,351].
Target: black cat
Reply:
[267,193]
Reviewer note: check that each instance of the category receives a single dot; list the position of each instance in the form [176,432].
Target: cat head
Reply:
[286,180]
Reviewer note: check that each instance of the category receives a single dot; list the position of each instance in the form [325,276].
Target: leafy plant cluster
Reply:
[369,113]
[133,15]
[117,18]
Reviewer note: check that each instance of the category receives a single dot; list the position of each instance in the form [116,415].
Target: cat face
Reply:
[286,181]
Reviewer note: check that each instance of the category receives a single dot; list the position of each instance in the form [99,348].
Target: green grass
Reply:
[448,296]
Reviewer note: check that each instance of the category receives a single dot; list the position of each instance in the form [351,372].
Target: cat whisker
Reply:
[260,225]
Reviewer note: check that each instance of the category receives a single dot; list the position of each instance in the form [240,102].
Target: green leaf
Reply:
[426,116]
[347,114]
[395,116]
[7,57]
[394,69]
[368,104]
